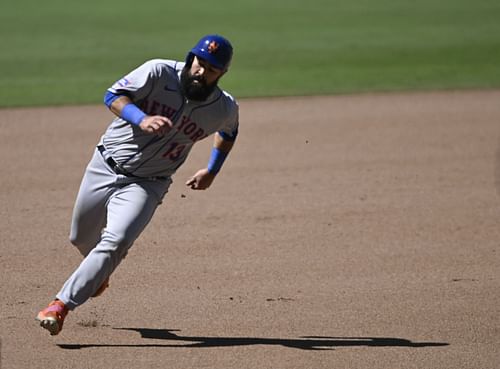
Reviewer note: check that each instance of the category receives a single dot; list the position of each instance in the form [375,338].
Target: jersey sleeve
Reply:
[229,130]
[139,83]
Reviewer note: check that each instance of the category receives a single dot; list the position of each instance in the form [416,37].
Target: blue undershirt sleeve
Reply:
[229,137]
[109,97]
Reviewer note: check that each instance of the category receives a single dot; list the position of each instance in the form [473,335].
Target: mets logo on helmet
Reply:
[213,47]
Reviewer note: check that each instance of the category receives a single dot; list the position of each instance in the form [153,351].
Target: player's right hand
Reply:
[156,124]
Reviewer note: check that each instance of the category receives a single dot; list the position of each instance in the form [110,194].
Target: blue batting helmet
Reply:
[213,48]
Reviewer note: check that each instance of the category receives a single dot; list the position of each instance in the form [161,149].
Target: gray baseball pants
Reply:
[111,211]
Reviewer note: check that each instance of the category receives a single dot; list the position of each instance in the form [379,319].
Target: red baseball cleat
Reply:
[52,317]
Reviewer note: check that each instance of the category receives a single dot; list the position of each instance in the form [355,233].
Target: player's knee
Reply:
[117,244]
[79,239]
[82,244]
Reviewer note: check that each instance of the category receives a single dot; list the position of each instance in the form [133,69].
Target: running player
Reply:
[162,108]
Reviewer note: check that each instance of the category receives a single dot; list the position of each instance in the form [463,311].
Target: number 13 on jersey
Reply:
[174,151]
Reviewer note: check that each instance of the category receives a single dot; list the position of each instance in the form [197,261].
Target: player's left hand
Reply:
[201,180]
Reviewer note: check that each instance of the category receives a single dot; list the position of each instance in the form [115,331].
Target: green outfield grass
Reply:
[69,52]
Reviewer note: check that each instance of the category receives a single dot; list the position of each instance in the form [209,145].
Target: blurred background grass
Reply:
[68,52]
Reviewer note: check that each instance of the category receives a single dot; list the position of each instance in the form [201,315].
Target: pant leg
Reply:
[90,211]
[129,209]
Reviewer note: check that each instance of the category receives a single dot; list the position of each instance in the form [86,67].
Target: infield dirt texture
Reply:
[343,232]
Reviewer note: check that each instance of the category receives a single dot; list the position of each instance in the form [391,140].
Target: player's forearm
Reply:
[221,144]
[117,105]
[123,107]
[116,102]
[219,153]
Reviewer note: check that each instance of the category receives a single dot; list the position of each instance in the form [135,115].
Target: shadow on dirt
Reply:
[303,343]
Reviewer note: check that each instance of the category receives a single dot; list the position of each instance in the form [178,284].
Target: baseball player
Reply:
[162,108]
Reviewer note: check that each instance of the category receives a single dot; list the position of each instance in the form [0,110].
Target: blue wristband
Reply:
[131,113]
[217,158]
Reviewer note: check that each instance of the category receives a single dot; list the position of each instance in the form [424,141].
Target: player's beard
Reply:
[195,91]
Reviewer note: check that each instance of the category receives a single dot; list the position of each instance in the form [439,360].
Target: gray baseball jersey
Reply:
[155,88]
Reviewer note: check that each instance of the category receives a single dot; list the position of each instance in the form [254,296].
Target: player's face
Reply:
[206,71]
[200,80]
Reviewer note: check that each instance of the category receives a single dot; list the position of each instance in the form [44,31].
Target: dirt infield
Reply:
[343,232]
